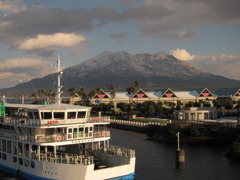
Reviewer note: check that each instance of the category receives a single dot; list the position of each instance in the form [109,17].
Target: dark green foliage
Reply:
[104,108]
[124,107]
[173,128]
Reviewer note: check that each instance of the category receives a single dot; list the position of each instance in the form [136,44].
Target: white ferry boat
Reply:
[60,141]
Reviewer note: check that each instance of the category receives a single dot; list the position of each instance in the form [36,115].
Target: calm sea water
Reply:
[156,161]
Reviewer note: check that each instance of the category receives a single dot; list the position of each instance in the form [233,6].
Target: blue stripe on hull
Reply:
[127,177]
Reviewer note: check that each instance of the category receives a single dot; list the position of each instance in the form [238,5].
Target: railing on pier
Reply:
[137,124]
[211,122]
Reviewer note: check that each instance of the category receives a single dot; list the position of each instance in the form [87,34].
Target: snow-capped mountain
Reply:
[121,69]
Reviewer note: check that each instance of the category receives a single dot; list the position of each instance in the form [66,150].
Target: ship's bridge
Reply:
[50,115]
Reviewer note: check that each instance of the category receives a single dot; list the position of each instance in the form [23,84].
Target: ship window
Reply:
[46,115]
[81,114]
[58,115]
[26,163]
[75,134]
[14,159]
[32,164]
[71,115]
[4,156]
[14,147]
[9,147]
[30,115]
[20,161]
[4,145]
[36,115]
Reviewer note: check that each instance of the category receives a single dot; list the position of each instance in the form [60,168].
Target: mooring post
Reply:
[180,153]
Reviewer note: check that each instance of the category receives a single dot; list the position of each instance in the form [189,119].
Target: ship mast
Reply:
[58,97]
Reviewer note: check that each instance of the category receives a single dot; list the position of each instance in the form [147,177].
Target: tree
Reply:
[71,92]
[97,90]
[112,91]
[137,84]
[228,106]
[92,93]
[130,89]
[82,93]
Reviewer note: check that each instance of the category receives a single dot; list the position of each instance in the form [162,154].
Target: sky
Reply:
[33,33]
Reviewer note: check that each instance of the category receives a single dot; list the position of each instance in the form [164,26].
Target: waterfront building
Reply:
[196,113]
[163,95]
[227,96]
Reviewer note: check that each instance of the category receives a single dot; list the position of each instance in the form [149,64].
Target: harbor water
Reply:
[156,161]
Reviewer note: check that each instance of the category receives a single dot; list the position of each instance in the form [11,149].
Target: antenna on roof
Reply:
[59,87]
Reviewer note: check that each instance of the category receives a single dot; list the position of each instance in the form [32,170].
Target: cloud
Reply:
[39,20]
[166,17]
[12,6]
[218,64]
[222,64]
[119,37]
[45,41]
[13,70]
[21,63]
[185,35]
[182,54]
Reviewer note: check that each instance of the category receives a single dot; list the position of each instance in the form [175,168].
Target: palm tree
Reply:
[71,92]
[137,84]
[41,93]
[82,93]
[92,93]
[97,90]
[130,89]
[112,91]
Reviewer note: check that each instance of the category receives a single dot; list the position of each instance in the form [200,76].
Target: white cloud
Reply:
[219,64]
[56,40]
[25,69]
[182,54]
[12,5]
[21,63]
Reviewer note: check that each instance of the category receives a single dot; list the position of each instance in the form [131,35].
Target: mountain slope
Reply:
[121,69]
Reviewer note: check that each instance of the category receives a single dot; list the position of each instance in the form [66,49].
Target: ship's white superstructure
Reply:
[60,141]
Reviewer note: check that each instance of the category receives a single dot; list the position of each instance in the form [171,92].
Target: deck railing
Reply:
[24,121]
[66,158]
[59,137]
[120,151]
